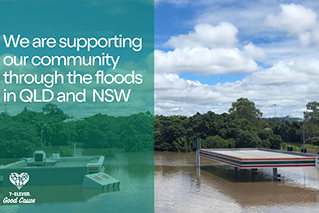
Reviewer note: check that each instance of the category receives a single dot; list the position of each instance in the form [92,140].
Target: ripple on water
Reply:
[179,188]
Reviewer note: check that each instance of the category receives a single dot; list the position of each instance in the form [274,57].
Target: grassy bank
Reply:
[314,149]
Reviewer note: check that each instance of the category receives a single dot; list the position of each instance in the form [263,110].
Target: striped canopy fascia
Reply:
[249,163]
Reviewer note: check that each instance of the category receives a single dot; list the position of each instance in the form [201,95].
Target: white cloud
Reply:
[208,50]
[251,51]
[173,92]
[281,73]
[206,35]
[293,18]
[247,16]
[203,61]
[257,19]
[297,20]
[290,85]
[291,80]
[309,37]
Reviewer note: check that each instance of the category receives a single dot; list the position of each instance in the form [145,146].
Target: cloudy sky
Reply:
[78,19]
[210,53]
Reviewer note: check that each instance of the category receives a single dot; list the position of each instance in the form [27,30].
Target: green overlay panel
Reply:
[77,81]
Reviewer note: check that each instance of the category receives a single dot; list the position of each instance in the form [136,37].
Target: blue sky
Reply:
[210,53]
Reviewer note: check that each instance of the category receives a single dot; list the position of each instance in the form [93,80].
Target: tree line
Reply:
[25,132]
[243,126]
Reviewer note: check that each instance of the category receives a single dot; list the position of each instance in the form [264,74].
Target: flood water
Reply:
[180,188]
[136,193]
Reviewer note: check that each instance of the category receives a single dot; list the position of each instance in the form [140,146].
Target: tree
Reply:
[248,139]
[243,127]
[312,110]
[215,142]
[17,139]
[243,108]
[53,110]
[312,119]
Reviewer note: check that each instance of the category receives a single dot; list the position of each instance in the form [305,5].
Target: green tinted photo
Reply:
[77,106]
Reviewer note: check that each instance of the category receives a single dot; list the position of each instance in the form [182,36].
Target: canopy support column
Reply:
[197,152]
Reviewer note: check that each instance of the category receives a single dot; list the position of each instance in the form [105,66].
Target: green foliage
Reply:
[289,131]
[17,139]
[53,111]
[312,120]
[24,133]
[270,140]
[216,142]
[312,111]
[133,133]
[295,148]
[65,151]
[247,139]
[109,153]
[242,127]
[243,108]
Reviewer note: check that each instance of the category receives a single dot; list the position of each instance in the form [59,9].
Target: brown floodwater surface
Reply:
[216,187]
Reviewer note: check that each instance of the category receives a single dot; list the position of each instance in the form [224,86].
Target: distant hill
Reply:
[286,118]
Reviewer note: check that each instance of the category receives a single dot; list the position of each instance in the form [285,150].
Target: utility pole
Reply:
[42,135]
[275,105]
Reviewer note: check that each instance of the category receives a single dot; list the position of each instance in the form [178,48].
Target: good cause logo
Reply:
[19,180]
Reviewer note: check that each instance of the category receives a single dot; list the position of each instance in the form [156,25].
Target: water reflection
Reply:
[56,194]
[180,188]
[136,193]
[237,175]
